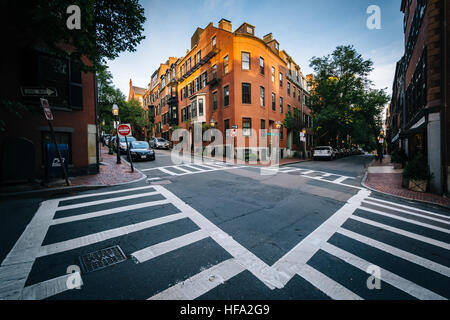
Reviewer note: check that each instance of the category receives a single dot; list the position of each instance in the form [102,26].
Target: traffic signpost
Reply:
[124,130]
[38,92]
[49,116]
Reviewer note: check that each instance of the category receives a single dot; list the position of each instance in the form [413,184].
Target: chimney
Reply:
[268,37]
[225,25]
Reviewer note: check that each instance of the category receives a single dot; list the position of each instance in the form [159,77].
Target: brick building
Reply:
[419,116]
[24,142]
[233,79]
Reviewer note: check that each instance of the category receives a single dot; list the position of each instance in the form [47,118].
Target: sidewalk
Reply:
[110,174]
[384,178]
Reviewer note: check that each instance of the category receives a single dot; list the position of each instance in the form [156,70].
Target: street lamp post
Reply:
[115,112]
[304,143]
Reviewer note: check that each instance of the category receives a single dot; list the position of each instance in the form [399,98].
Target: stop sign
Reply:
[124,130]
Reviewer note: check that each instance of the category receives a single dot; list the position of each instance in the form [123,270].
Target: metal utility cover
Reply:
[102,259]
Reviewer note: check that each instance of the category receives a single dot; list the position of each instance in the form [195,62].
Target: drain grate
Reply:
[101,259]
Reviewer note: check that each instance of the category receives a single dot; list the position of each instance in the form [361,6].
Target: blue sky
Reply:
[304,28]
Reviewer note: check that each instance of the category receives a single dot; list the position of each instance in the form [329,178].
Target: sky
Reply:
[304,28]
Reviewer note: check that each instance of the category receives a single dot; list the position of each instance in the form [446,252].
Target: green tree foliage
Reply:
[129,111]
[108,27]
[342,100]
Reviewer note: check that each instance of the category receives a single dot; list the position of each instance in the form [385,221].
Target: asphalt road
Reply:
[217,231]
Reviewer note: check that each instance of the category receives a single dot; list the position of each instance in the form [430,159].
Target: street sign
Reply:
[234,127]
[302,134]
[233,133]
[124,130]
[47,111]
[38,92]
[302,139]
[381,141]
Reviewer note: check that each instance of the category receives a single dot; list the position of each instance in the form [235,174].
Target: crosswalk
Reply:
[413,237]
[199,167]
[388,242]
[315,175]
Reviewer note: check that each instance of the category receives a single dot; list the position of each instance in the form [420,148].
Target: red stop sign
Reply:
[124,130]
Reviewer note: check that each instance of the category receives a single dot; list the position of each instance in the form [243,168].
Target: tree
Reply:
[108,27]
[129,111]
[342,102]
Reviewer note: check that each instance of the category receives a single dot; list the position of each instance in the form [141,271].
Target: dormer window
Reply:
[250,30]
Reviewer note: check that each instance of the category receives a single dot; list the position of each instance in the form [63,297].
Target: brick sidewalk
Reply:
[110,174]
[387,180]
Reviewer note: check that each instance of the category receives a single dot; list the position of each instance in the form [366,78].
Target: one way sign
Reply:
[38,92]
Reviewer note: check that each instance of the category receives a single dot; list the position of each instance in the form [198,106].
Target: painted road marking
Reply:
[292,262]
[108,212]
[103,193]
[97,202]
[427,215]
[428,264]
[325,284]
[48,288]
[403,232]
[168,246]
[105,235]
[413,221]
[401,283]
[202,282]
[410,209]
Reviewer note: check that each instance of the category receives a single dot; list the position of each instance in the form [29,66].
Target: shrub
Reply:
[417,168]
[398,156]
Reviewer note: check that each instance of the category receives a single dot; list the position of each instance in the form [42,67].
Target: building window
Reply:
[273,74]
[225,65]
[289,88]
[215,100]
[245,61]
[194,108]
[293,91]
[214,42]
[246,93]
[281,133]
[261,65]
[281,105]
[204,79]
[289,108]
[281,80]
[226,96]
[247,127]
[262,97]
[273,102]
[188,64]
[200,107]
[299,95]
[197,84]
[190,87]
[226,126]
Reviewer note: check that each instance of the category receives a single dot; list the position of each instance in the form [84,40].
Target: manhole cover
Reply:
[101,259]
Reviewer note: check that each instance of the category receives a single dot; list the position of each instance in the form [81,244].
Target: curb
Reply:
[81,188]
[363,183]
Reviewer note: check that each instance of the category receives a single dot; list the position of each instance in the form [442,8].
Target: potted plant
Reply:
[398,158]
[416,174]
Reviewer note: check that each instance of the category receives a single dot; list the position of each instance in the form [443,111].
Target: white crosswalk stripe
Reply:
[16,267]
[192,168]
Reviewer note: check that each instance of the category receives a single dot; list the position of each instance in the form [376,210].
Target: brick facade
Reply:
[212,66]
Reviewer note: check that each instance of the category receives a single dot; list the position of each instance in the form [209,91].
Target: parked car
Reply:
[339,153]
[159,143]
[140,150]
[324,153]
[123,145]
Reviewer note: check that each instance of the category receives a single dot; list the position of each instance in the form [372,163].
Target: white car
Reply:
[324,153]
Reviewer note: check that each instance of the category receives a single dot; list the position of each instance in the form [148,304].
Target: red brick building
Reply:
[24,142]
[419,116]
[235,80]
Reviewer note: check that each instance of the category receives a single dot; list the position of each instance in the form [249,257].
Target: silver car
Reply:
[159,143]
